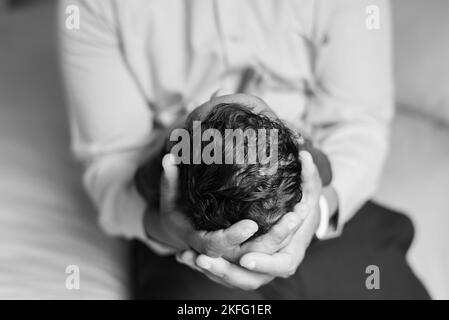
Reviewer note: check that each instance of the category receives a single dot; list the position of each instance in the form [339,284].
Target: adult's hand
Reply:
[171,227]
[258,268]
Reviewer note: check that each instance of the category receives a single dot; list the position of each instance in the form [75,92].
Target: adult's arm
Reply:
[111,124]
[110,120]
[353,104]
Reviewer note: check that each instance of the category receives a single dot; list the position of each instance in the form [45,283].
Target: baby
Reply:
[215,193]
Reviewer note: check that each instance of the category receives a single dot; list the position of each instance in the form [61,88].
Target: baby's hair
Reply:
[215,196]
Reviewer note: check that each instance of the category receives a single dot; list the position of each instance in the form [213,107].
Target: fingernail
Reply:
[168,160]
[203,264]
[250,265]
[182,256]
[248,231]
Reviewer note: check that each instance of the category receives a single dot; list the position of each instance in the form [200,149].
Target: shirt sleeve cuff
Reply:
[329,227]
[139,229]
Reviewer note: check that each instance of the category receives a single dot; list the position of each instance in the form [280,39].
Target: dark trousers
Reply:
[331,269]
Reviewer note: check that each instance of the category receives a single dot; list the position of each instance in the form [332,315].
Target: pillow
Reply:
[422,56]
[46,221]
[415,181]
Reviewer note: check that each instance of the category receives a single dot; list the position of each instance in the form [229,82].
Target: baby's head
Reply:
[247,167]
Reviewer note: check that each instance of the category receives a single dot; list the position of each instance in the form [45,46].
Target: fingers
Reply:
[231,274]
[308,167]
[285,262]
[277,237]
[223,272]
[302,210]
[221,242]
[311,181]
[281,264]
[236,234]
[283,231]
[169,181]
[188,258]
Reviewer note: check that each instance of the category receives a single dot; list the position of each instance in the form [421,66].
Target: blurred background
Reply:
[47,223]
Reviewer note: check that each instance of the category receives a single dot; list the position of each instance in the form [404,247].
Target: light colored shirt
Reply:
[135,61]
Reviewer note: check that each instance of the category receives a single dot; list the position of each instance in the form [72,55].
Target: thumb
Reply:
[169,181]
[311,181]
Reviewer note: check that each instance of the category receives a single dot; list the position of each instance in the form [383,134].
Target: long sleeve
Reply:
[110,119]
[352,108]
[114,73]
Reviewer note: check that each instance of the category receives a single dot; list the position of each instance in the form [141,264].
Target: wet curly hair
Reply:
[216,195]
